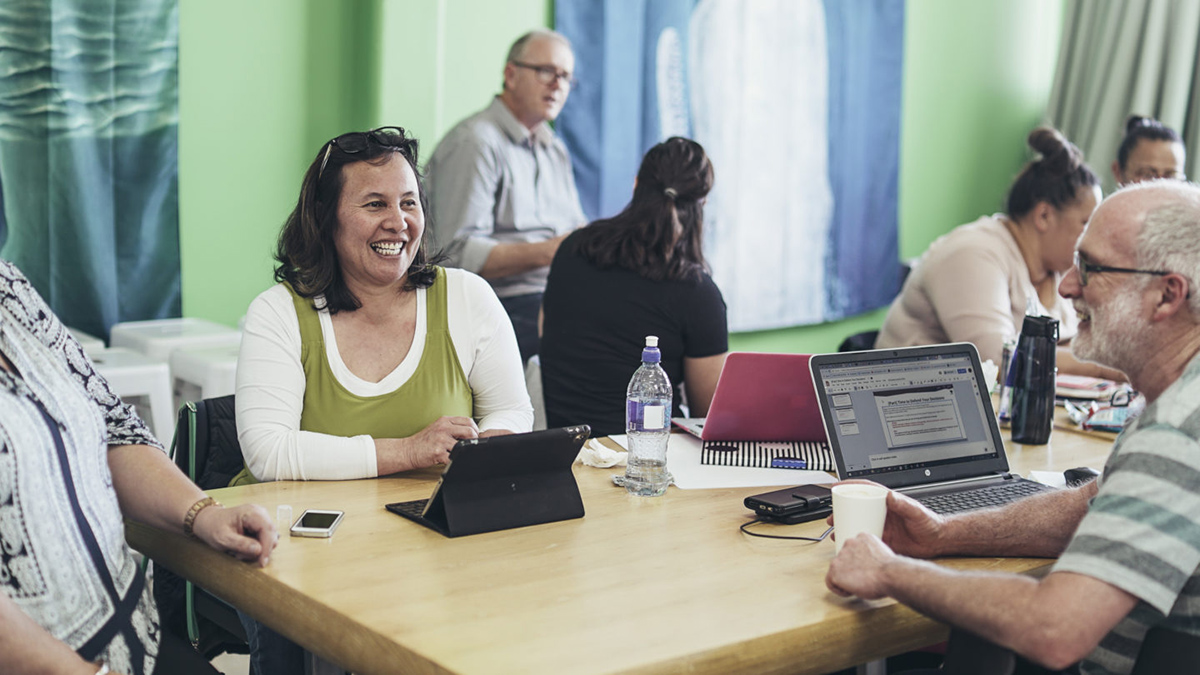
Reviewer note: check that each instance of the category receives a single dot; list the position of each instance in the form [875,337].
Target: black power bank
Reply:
[792,505]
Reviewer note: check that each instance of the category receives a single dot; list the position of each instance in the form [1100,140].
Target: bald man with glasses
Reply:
[502,193]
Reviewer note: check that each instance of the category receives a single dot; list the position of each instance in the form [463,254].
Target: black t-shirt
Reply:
[595,325]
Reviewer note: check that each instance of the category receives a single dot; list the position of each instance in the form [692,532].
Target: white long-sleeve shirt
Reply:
[271,381]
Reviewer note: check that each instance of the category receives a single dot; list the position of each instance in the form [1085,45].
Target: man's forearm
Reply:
[514,258]
[1010,610]
[1038,526]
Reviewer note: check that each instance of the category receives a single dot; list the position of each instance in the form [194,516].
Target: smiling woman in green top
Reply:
[365,360]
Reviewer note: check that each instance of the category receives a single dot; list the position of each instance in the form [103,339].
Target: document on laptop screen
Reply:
[893,415]
[920,415]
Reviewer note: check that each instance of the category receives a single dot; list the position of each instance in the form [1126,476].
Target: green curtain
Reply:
[1127,57]
[89,109]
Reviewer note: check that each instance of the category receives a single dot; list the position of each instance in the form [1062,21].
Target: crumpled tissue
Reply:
[594,453]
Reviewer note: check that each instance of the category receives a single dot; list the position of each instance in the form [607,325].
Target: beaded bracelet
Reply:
[199,506]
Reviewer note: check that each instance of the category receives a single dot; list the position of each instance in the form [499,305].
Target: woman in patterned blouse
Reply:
[75,460]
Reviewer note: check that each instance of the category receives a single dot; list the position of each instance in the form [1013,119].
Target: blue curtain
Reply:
[612,117]
[866,66]
[88,155]
[797,103]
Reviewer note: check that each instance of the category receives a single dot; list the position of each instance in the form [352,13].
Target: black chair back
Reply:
[1168,651]
[206,443]
[969,654]
[206,449]
[859,342]
[1163,651]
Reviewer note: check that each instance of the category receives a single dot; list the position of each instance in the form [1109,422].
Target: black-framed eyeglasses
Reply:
[548,74]
[1085,268]
[1122,397]
[356,141]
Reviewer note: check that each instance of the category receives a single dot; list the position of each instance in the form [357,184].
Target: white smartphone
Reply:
[316,523]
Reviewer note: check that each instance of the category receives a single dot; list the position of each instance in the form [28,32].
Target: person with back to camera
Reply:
[364,359]
[1149,150]
[74,461]
[639,273]
[977,283]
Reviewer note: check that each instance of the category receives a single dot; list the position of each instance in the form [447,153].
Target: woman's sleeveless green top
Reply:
[438,386]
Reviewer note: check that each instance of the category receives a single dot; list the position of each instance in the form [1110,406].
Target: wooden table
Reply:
[640,585]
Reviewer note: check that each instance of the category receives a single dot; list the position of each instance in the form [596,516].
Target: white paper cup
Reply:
[856,509]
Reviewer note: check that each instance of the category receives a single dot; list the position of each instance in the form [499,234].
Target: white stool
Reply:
[142,381]
[203,372]
[158,338]
[90,343]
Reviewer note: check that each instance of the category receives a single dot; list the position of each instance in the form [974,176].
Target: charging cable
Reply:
[778,536]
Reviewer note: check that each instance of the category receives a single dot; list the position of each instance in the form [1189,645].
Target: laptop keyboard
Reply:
[970,500]
[414,508]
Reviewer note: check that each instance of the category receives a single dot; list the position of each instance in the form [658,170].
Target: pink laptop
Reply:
[761,397]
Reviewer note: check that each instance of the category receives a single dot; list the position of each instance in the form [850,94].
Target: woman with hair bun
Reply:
[639,273]
[1149,150]
[977,283]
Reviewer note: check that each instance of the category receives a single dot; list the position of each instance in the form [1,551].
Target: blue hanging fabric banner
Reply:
[797,102]
[866,70]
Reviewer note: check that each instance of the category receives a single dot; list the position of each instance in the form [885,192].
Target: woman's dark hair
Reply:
[306,253]
[1138,128]
[1055,178]
[659,233]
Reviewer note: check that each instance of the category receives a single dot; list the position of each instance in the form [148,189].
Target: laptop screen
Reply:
[907,416]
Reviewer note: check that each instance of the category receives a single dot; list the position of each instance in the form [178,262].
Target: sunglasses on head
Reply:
[356,141]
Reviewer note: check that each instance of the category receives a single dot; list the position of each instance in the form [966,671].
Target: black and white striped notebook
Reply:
[814,456]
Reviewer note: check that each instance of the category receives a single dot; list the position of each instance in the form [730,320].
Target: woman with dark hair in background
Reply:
[977,283]
[639,273]
[1149,150]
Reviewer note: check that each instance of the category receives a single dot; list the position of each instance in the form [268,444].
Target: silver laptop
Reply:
[918,420]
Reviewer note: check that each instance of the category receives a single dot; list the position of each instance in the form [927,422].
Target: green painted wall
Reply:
[264,84]
[243,145]
[260,94]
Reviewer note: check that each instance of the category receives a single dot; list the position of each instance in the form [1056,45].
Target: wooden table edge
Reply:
[327,633]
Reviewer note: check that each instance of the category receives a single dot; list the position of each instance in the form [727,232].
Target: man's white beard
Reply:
[1115,337]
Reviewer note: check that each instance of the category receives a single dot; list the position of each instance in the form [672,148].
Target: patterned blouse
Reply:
[63,556]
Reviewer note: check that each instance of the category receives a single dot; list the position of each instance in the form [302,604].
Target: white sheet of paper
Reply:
[1051,478]
[683,461]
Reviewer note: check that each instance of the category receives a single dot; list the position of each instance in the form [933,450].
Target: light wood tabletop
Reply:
[639,585]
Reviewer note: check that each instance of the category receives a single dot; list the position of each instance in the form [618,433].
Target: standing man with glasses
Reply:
[1128,544]
[501,191]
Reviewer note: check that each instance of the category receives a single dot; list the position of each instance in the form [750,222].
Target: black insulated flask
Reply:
[1033,381]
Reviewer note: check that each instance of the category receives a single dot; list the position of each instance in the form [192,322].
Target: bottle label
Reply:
[647,417]
[654,417]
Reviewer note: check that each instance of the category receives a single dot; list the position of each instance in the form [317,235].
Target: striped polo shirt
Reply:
[1142,531]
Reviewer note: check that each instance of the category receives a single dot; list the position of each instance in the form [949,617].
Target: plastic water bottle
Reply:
[1007,372]
[648,424]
